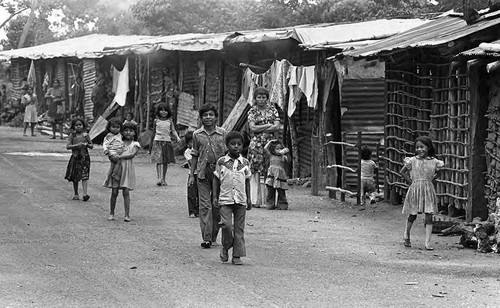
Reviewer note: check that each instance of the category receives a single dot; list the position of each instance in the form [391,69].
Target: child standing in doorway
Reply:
[232,194]
[126,182]
[113,145]
[276,179]
[421,170]
[368,170]
[129,118]
[162,151]
[78,168]
[192,190]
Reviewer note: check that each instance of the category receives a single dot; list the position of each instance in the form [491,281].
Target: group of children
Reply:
[218,183]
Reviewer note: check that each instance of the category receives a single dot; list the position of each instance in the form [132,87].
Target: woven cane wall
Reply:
[492,146]
[423,98]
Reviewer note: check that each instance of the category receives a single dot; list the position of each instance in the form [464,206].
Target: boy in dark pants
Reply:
[232,193]
[192,190]
[208,146]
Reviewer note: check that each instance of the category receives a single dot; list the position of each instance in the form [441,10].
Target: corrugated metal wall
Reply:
[232,89]
[365,103]
[89,76]
[303,117]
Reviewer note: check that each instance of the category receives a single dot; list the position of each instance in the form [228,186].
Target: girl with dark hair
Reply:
[421,170]
[126,181]
[78,168]
[162,151]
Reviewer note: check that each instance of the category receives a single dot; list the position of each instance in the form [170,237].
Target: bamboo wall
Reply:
[492,146]
[425,98]
[89,76]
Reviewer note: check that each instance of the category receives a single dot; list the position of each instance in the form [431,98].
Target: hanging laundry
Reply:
[279,90]
[294,95]
[31,74]
[116,77]
[122,88]
[309,86]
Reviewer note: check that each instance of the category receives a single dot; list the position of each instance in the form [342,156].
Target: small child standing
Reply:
[232,192]
[192,190]
[126,182]
[276,179]
[113,145]
[78,168]
[421,170]
[129,118]
[162,151]
[368,170]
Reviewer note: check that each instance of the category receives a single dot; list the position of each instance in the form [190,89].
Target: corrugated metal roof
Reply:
[334,35]
[441,30]
[181,42]
[483,50]
[325,36]
[89,46]
[322,36]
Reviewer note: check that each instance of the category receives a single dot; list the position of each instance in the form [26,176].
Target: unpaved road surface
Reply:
[56,252]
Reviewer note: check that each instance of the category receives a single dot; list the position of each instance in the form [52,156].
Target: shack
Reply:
[428,93]
[484,62]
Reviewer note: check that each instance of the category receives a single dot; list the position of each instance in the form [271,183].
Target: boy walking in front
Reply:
[208,146]
[232,193]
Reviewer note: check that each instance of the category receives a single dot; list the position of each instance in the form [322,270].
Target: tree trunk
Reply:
[27,26]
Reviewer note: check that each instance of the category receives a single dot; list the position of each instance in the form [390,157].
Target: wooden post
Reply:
[315,174]
[359,198]
[148,91]
[344,163]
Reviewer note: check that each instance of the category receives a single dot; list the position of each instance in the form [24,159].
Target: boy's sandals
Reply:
[429,247]
[86,198]
[407,242]
[75,197]
[111,217]
[158,183]
[126,219]
[163,183]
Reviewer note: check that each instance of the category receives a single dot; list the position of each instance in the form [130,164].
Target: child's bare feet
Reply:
[75,197]
[111,217]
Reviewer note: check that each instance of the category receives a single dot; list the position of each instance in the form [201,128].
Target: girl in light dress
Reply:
[78,168]
[30,115]
[126,183]
[421,170]
[276,179]
[162,151]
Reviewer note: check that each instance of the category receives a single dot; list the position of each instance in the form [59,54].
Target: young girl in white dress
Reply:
[421,170]
[126,183]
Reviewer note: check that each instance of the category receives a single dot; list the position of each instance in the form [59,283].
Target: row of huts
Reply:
[391,80]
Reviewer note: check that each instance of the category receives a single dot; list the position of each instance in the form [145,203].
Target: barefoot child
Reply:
[126,183]
[368,170]
[113,145]
[232,194]
[78,168]
[276,180]
[162,151]
[421,170]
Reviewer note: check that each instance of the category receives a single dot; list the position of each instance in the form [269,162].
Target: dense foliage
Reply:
[48,20]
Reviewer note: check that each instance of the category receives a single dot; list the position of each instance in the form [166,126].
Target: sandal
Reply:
[429,247]
[126,219]
[407,242]
[86,198]
[163,183]
[75,197]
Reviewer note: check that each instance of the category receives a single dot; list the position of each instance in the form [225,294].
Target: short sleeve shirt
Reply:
[232,174]
[208,148]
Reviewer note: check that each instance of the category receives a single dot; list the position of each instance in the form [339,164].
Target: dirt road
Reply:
[56,252]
